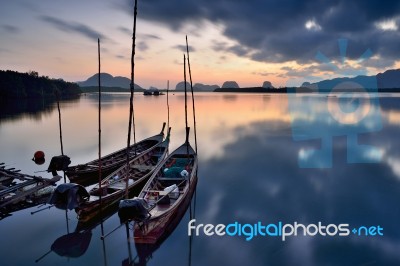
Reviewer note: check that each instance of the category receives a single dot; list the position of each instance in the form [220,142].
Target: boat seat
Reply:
[142,167]
[168,181]
[171,178]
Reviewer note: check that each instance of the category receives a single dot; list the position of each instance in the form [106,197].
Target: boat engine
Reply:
[135,209]
[58,163]
[68,196]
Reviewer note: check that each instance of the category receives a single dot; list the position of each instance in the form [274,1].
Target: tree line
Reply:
[30,85]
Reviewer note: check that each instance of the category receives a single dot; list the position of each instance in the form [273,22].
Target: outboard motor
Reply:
[68,196]
[135,209]
[58,163]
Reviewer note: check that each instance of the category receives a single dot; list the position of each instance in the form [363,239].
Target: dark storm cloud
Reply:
[274,31]
[73,27]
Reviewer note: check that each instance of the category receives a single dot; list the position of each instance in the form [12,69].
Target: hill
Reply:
[108,80]
[385,81]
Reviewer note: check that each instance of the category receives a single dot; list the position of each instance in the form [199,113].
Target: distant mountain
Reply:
[389,79]
[267,85]
[108,80]
[181,86]
[196,87]
[204,87]
[230,84]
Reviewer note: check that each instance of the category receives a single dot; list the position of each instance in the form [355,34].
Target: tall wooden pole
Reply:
[131,114]
[191,87]
[59,124]
[59,127]
[167,105]
[99,84]
[184,77]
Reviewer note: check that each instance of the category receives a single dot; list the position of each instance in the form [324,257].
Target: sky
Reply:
[286,42]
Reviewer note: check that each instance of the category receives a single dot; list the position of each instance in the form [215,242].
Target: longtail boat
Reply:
[91,201]
[167,193]
[86,174]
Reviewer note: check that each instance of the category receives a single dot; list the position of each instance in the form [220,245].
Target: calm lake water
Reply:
[252,150]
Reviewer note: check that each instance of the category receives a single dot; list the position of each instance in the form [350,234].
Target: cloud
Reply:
[272,31]
[264,73]
[182,48]
[125,30]
[10,28]
[73,27]
[142,46]
[149,36]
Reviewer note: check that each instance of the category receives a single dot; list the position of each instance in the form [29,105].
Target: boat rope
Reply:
[131,111]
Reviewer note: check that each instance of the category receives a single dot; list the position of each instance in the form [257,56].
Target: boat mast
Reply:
[167,104]
[131,111]
[99,130]
[186,119]
[191,88]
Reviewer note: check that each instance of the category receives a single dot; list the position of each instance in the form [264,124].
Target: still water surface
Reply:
[248,172]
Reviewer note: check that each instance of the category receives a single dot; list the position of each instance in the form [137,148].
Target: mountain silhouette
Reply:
[108,80]
[389,79]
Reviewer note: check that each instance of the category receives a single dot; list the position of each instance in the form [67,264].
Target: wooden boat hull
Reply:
[155,230]
[86,174]
[95,209]
[112,191]
[157,218]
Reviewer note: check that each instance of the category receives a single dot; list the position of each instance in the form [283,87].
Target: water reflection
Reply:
[75,244]
[248,172]
[268,186]
[34,109]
